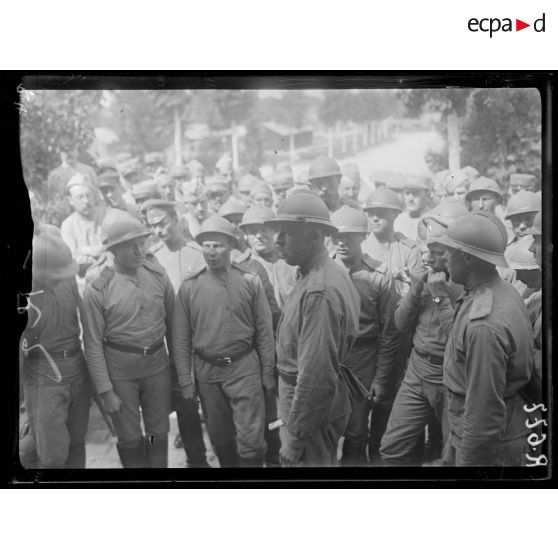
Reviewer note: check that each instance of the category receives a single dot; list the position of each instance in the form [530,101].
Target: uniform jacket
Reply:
[56,329]
[488,360]
[401,252]
[376,325]
[319,325]
[222,314]
[131,311]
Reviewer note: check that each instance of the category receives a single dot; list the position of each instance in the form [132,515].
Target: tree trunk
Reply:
[177,138]
[454,149]
[234,146]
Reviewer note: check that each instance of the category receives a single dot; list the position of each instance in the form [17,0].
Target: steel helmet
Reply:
[350,220]
[216,224]
[323,167]
[305,208]
[260,187]
[232,207]
[52,258]
[383,198]
[523,202]
[437,220]
[519,255]
[536,229]
[480,234]
[145,189]
[119,226]
[484,184]
[257,215]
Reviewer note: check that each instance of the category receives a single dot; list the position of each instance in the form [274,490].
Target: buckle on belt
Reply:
[66,354]
[146,351]
[228,361]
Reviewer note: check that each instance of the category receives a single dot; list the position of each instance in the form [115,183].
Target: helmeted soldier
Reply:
[262,245]
[416,196]
[521,211]
[180,258]
[281,180]
[244,187]
[53,371]
[113,192]
[127,317]
[154,163]
[426,311]
[195,202]
[324,176]
[223,326]
[372,356]
[261,194]
[484,194]
[489,355]
[217,192]
[317,329]
[399,253]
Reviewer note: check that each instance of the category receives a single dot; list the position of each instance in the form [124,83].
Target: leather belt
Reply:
[58,355]
[145,351]
[288,378]
[432,359]
[364,341]
[223,362]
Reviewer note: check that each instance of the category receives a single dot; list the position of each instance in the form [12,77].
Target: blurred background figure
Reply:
[519,181]
[261,193]
[195,202]
[417,198]
[154,163]
[113,193]
[348,190]
[244,187]
[324,176]
[166,186]
[69,166]
[224,169]
[217,191]
[282,181]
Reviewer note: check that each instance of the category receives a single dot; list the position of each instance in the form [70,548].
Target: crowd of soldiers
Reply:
[309,320]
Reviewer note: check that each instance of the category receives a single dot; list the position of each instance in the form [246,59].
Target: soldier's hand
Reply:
[111,402]
[289,456]
[438,284]
[188,392]
[417,281]
[378,392]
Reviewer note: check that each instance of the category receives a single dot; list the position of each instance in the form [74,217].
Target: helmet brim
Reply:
[328,226]
[490,257]
[126,238]
[203,235]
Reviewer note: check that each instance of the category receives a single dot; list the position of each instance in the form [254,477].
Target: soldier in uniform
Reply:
[113,193]
[281,182]
[244,188]
[263,250]
[127,319]
[261,194]
[223,326]
[489,355]
[53,370]
[520,211]
[324,176]
[81,231]
[166,187]
[195,202]
[217,192]
[402,258]
[484,194]
[180,258]
[316,332]
[372,356]
[416,195]
[426,312]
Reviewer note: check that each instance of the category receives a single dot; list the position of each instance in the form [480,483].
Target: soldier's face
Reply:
[168,230]
[81,199]
[459,193]
[130,254]
[437,257]
[263,198]
[415,200]
[380,220]
[216,199]
[327,189]
[260,238]
[166,191]
[112,197]
[486,201]
[216,251]
[522,222]
[349,190]
[348,246]
[536,249]
[293,243]
[456,265]
[198,209]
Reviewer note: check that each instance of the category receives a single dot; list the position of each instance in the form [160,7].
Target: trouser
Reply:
[153,396]
[321,447]
[58,416]
[509,454]
[416,403]
[382,410]
[235,416]
[189,426]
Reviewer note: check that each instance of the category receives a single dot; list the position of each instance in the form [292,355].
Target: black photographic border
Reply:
[17,235]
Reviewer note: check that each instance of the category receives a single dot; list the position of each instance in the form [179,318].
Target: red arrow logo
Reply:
[519,25]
